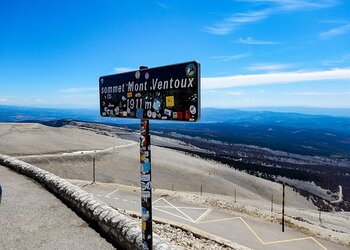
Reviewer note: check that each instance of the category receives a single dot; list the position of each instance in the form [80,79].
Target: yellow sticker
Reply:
[170,101]
[142,158]
[129,94]
[144,225]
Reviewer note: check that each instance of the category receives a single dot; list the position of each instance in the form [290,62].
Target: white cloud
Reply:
[123,69]
[268,67]
[163,5]
[4,100]
[248,17]
[79,100]
[315,93]
[219,29]
[235,21]
[252,41]
[290,5]
[230,57]
[273,78]
[344,59]
[334,21]
[335,32]
[236,93]
[79,90]
[270,7]
[80,96]
[39,100]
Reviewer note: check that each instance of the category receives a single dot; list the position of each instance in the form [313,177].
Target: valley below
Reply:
[322,179]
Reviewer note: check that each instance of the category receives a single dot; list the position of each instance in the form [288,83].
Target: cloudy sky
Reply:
[253,53]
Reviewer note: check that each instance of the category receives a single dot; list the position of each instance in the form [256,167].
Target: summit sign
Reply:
[164,93]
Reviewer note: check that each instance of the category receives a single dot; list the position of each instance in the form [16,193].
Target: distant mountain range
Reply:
[279,119]
[304,110]
[291,132]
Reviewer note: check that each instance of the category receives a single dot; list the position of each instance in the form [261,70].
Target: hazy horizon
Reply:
[337,112]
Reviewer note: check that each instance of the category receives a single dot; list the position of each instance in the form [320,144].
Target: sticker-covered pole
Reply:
[146,184]
[93,170]
[283,197]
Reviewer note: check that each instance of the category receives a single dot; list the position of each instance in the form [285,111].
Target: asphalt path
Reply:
[250,232]
[33,218]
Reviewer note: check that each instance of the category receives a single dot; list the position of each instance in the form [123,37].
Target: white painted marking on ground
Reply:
[203,215]
[178,210]
[173,214]
[156,200]
[208,210]
[107,196]
[194,208]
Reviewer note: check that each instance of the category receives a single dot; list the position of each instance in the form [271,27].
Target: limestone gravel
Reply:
[185,240]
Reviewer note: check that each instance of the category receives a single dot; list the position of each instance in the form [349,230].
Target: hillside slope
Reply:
[170,168]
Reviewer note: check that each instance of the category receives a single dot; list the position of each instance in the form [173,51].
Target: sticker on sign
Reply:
[162,93]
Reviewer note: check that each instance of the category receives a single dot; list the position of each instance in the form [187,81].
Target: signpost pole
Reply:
[283,197]
[93,171]
[146,183]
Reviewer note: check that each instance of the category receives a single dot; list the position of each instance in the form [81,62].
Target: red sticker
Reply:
[179,115]
[187,115]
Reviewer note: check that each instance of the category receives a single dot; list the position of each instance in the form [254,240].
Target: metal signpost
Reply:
[283,197]
[168,93]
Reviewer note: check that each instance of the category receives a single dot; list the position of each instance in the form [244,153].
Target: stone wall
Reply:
[119,228]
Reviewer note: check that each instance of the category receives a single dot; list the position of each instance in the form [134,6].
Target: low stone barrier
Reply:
[120,229]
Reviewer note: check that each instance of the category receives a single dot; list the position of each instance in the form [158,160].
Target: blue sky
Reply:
[253,53]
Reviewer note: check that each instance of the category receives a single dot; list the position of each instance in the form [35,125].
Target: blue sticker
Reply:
[156,104]
[146,167]
[145,214]
[139,113]
[148,186]
[191,70]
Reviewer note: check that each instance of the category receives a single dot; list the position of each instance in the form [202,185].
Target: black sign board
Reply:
[163,93]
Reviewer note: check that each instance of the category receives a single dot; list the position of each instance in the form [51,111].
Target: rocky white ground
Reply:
[185,240]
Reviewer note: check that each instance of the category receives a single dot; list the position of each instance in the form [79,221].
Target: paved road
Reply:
[247,231]
[33,218]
